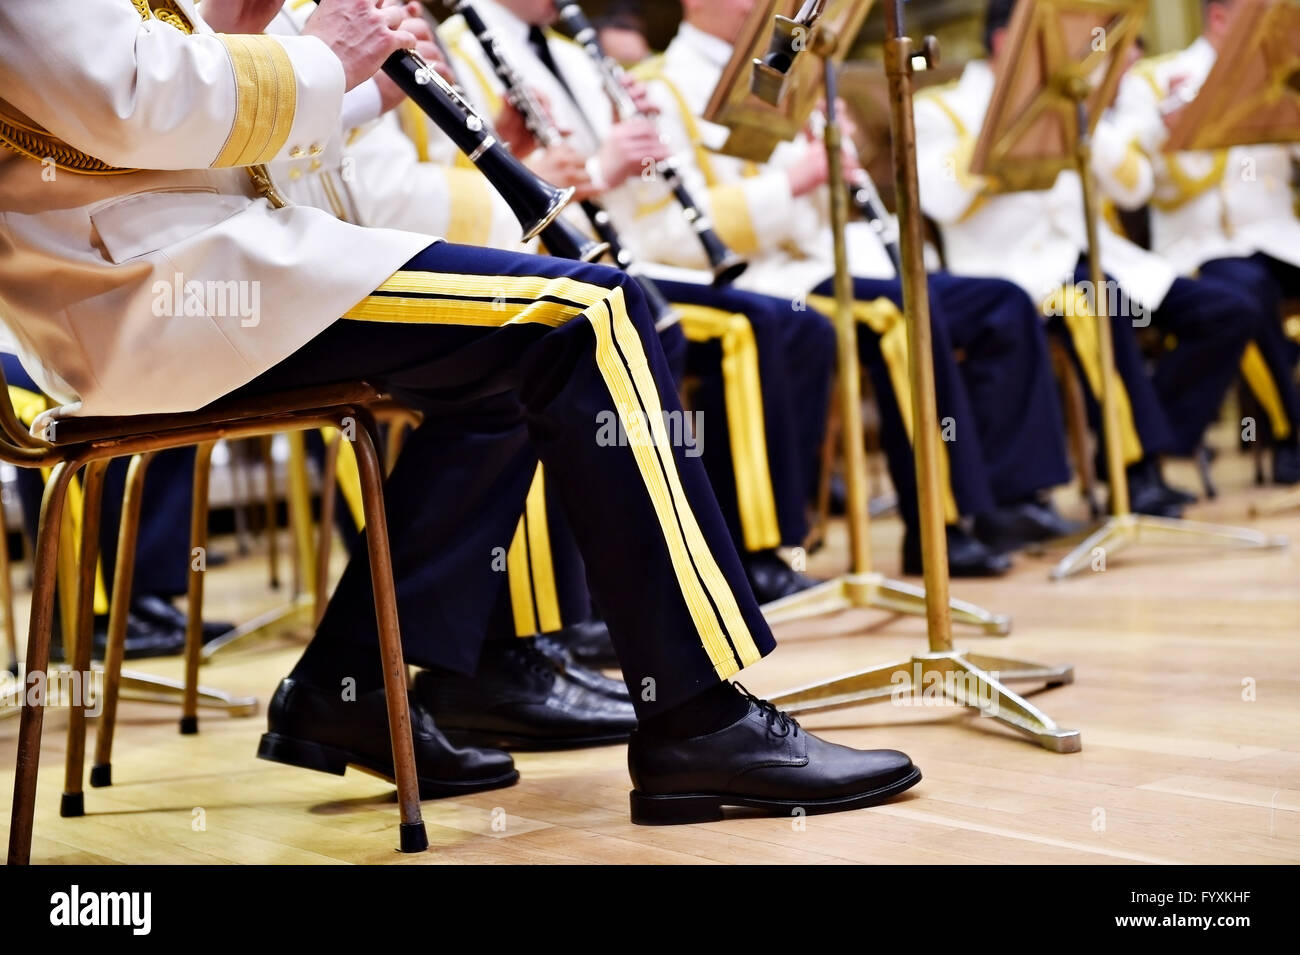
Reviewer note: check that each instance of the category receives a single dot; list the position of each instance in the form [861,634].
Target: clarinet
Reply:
[522,99]
[536,203]
[727,266]
[867,201]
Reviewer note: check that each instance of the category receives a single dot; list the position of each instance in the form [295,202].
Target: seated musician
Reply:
[171,111]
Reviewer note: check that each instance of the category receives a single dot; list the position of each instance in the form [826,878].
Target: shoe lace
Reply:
[535,659]
[779,722]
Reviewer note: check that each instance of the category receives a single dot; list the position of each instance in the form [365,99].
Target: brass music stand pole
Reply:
[862,587]
[967,679]
[1125,528]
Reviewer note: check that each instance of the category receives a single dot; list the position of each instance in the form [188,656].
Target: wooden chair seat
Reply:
[79,430]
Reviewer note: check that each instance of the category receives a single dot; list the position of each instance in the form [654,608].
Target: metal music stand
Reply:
[974,680]
[756,128]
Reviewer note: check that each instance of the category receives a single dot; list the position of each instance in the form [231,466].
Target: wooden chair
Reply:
[397,418]
[89,444]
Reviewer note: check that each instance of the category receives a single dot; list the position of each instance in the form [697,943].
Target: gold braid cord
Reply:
[28,139]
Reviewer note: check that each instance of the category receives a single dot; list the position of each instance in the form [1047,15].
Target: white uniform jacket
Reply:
[166,288]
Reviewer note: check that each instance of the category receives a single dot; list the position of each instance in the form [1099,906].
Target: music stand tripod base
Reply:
[147,688]
[1126,530]
[1284,502]
[964,679]
[874,591]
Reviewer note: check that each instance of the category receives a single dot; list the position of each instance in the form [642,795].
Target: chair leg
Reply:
[101,770]
[272,518]
[45,562]
[413,837]
[194,600]
[830,454]
[74,796]
[1203,469]
[1076,424]
[7,596]
[325,538]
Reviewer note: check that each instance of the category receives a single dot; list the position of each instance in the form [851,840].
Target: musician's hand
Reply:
[513,131]
[239,16]
[640,94]
[811,171]
[390,93]
[629,148]
[564,166]
[362,34]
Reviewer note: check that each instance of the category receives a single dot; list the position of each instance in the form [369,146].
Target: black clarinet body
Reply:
[540,125]
[726,265]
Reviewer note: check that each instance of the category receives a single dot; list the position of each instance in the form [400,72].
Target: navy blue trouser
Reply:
[796,357]
[162,552]
[503,381]
[1005,442]
[1266,282]
[1175,403]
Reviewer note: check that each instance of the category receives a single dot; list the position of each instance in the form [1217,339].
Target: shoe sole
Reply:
[537,744]
[307,754]
[687,808]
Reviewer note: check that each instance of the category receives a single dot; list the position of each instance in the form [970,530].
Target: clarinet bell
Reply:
[728,270]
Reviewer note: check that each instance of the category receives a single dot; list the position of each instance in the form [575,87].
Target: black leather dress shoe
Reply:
[1148,493]
[519,700]
[317,729]
[765,760]
[585,677]
[143,640]
[771,578]
[1286,464]
[587,643]
[967,557]
[1008,529]
[161,612]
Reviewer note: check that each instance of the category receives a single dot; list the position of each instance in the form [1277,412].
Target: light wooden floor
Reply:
[1176,765]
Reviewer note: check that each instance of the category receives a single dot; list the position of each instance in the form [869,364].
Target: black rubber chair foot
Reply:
[101,775]
[189,725]
[72,804]
[414,837]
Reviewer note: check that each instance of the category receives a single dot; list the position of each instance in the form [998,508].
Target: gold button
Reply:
[315,164]
[295,173]
[296,152]
[317,149]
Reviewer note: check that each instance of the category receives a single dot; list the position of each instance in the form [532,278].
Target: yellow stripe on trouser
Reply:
[1082,327]
[534,597]
[28,405]
[746,426]
[521,593]
[884,318]
[1259,379]
[424,298]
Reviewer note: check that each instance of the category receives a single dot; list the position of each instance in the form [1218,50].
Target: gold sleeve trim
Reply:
[266,99]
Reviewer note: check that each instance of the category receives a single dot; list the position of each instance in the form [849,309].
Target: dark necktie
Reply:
[542,47]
